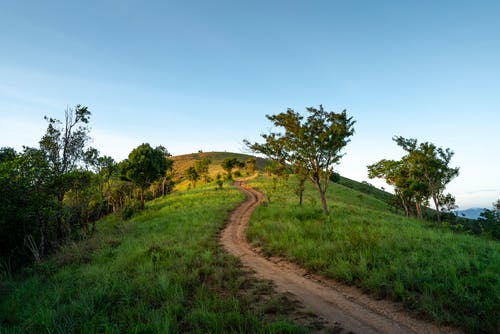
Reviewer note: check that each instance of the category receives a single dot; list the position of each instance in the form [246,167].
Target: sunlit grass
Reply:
[160,272]
[449,277]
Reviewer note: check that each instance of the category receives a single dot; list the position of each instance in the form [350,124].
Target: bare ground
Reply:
[337,304]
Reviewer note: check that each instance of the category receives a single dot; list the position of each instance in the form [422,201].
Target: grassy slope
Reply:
[181,162]
[161,271]
[450,277]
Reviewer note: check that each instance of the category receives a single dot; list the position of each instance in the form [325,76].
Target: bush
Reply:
[130,207]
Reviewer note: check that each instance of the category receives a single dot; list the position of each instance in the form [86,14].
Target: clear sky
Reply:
[202,75]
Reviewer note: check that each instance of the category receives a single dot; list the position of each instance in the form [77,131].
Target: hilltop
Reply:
[181,162]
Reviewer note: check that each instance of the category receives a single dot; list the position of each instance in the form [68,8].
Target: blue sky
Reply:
[194,75]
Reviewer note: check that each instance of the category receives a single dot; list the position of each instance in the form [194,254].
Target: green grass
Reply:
[449,277]
[367,189]
[160,272]
[181,162]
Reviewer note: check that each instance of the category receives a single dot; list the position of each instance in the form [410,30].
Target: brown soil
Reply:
[334,302]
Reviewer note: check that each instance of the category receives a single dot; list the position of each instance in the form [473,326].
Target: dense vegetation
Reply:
[160,272]
[55,193]
[450,277]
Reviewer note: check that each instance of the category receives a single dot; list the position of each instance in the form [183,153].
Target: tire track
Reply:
[330,300]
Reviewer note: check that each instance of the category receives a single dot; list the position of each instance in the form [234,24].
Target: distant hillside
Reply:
[182,162]
[472,213]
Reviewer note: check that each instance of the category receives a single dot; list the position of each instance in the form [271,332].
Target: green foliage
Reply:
[229,164]
[55,194]
[250,165]
[489,221]
[28,206]
[144,166]
[421,174]
[161,272]
[201,168]
[447,276]
[314,145]
[192,175]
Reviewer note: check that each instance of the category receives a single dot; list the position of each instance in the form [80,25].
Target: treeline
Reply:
[55,193]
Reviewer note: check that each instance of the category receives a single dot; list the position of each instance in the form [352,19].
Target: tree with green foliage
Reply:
[228,165]
[250,165]
[421,174]
[144,166]
[396,173]
[192,175]
[65,147]
[490,220]
[201,167]
[28,207]
[314,143]
[430,166]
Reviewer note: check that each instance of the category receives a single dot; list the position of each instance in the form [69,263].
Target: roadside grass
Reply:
[448,277]
[162,271]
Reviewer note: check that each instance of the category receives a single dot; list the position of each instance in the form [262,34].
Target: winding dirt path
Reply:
[330,300]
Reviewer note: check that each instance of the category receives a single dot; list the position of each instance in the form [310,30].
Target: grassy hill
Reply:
[162,271]
[440,274]
[182,162]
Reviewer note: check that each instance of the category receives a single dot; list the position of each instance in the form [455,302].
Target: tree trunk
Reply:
[323,202]
[322,195]
[419,210]
[405,206]
[436,203]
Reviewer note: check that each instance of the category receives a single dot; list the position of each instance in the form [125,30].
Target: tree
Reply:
[314,143]
[228,165]
[430,166]
[144,166]
[192,175]
[490,220]
[64,145]
[421,174]
[201,167]
[250,165]
[28,205]
[396,174]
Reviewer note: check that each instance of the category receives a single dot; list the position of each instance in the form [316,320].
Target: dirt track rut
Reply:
[336,303]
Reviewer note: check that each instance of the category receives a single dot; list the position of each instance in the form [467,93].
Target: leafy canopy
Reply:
[313,144]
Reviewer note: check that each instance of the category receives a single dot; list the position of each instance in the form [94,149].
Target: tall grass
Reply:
[159,272]
[448,277]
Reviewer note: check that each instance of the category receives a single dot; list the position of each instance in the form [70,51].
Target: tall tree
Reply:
[314,143]
[64,145]
[144,166]
[396,174]
[421,174]
[431,166]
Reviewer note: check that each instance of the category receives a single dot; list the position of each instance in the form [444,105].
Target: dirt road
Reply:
[332,301]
